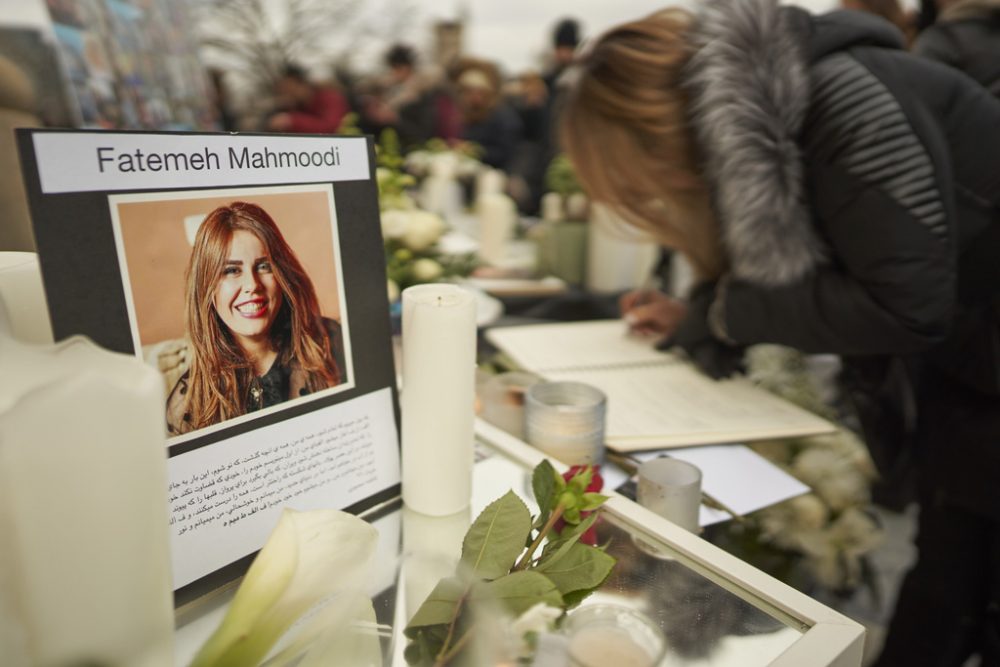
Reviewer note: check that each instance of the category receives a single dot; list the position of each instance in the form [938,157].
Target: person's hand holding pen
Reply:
[649,312]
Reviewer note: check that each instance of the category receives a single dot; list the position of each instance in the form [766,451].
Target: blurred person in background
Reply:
[406,101]
[565,40]
[220,99]
[487,120]
[892,11]
[964,34]
[527,182]
[306,107]
[836,195]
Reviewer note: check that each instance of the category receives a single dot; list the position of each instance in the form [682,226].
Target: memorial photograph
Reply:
[235,297]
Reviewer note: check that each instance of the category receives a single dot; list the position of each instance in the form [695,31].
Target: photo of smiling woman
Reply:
[256,334]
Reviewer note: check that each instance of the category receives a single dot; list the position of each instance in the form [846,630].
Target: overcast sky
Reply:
[517,32]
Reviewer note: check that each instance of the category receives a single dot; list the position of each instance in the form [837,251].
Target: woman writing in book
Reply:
[835,195]
[256,334]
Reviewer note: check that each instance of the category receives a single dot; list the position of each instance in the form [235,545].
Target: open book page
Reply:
[655,399]
[548,347]
[671,405]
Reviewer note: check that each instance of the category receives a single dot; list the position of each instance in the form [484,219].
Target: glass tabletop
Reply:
[706,621]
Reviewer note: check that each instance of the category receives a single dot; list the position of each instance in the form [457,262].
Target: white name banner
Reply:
[111,161]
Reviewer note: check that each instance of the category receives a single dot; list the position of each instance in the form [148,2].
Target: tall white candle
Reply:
[497,219]
[490,182]
[439,362]
[22,295]
[83,506]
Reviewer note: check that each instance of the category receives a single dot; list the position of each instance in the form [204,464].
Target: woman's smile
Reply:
[253,308]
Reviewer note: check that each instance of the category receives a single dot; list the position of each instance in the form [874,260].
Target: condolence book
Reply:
[655,399]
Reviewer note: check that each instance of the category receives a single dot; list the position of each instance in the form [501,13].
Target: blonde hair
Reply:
[624,127]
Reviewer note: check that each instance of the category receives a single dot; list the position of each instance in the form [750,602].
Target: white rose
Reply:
[417,162]
[395,223]
[809,511]
[467,167]
[392,290]
[426,270]
[382,175]
[444,165]
[423,231]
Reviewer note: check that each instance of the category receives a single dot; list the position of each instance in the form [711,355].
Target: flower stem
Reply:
[526,558]
[440,658]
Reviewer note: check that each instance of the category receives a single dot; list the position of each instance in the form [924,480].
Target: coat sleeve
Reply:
[889,285]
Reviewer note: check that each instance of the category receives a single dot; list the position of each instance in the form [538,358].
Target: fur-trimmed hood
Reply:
[749,86]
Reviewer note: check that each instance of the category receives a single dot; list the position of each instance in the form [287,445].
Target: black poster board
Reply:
[248,269]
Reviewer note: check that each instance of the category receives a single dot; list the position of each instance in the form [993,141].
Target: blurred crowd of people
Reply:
[506,122]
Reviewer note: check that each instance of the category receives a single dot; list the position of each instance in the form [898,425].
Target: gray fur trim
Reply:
[750,93]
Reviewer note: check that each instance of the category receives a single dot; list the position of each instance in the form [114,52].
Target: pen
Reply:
[649,287]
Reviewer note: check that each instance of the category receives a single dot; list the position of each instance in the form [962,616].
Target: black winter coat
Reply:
[858,190]
[967,37]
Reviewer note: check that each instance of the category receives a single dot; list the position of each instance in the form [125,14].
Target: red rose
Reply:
[589,536]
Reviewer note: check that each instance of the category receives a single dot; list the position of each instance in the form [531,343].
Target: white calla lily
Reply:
[309,557]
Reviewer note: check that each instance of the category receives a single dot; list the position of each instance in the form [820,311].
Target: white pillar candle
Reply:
[442,196]
[22,295]
[439,362]
[490,182]
[577,206]
[433,194]
[497,219]
[552,207]
[83,506]
[618,258]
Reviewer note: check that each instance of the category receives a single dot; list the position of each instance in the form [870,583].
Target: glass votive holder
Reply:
[503,398]
[608,634]
[672,489]
[566,421]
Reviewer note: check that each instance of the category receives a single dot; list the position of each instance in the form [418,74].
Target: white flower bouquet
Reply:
[822,538]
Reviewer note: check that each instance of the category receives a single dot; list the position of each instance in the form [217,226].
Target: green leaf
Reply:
[581,568]
[576,597]
[439,607]
[591,501]
[520,591]
[496,538]
[556,549]
[422,649]
[543,483]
